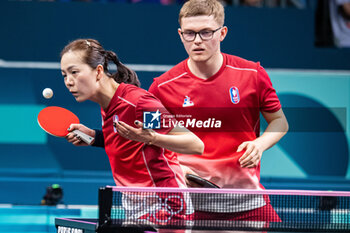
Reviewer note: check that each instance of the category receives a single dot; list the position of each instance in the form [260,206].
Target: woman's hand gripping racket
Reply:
[56,121]
[199,182]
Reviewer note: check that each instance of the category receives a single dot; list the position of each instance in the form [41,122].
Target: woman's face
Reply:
[79,78]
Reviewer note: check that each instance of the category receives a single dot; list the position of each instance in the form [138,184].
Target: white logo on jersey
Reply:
[187,102]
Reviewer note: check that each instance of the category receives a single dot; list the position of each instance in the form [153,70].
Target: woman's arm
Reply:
[179,140]
[75,140]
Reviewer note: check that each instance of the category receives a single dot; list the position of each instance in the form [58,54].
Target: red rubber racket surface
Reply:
[56,120]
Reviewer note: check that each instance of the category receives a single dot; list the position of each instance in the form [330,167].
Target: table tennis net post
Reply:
[220,209]
[105,202]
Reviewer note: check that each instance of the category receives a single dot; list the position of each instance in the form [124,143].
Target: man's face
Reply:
[202,50]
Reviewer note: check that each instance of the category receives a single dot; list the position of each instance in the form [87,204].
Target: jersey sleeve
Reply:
[268,99]
[99,140]
[154,88]
[149,103]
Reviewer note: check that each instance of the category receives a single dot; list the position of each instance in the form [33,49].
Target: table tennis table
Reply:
[88,225]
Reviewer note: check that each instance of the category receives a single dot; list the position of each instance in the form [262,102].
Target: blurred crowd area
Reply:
[332,17]
[248,3]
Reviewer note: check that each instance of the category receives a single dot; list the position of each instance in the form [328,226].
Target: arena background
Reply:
[313,155]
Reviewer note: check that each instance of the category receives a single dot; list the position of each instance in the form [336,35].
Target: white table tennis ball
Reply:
[47,93]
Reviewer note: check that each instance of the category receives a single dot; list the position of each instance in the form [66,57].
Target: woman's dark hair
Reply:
[94,54]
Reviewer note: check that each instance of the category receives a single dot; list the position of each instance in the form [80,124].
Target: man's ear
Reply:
[223,33]
[179,31]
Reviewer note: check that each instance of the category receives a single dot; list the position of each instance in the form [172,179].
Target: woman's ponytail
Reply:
[123,74]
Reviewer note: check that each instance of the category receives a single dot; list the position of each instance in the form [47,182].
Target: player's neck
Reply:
[106,91]
[206,69]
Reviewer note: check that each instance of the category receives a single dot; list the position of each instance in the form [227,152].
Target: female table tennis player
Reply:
[140,161]
[137,162]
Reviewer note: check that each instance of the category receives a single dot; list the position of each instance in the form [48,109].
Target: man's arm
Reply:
[276,129]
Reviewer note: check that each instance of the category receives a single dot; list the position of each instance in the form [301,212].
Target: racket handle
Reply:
[86,138]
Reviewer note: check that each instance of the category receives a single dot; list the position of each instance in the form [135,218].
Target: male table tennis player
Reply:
[209,80]
[136,160]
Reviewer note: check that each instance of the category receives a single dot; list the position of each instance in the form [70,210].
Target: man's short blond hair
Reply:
[203,7]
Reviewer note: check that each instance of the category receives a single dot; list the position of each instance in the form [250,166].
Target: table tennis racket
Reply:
[200,182]
[56,121]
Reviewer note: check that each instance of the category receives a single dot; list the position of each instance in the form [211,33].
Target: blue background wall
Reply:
[279,37]
[313,155]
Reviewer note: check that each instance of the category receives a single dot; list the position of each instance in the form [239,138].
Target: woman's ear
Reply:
[99,72]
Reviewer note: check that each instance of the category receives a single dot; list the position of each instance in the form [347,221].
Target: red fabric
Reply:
[265,214]
[134,163]
[235,95]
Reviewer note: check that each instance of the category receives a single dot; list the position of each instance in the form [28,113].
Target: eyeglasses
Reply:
[206,34]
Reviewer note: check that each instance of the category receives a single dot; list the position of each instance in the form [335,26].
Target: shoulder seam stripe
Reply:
[127,101]
[172,79]
[236,68]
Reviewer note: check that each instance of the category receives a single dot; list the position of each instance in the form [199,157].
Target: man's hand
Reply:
[252,154]
[277,127]
[186,170]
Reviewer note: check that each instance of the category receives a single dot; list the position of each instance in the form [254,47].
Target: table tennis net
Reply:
[225,209]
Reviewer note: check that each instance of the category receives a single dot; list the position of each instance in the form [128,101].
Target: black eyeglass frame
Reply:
[199,33]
